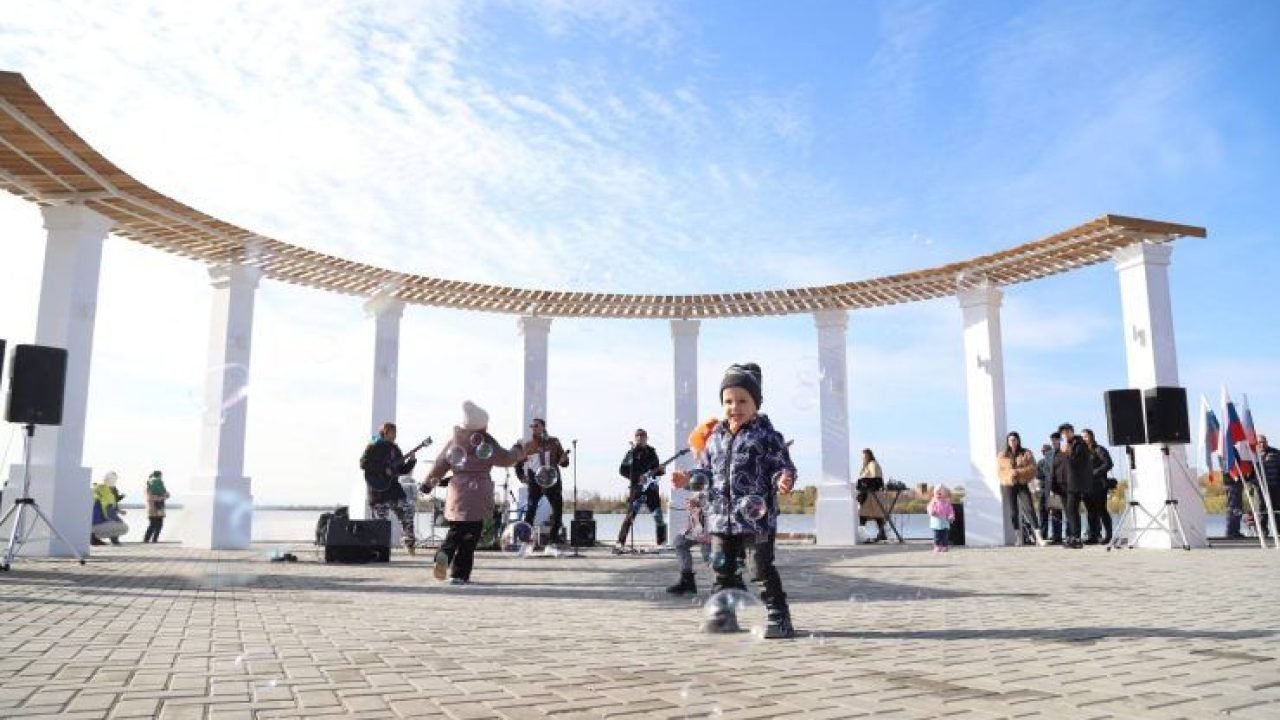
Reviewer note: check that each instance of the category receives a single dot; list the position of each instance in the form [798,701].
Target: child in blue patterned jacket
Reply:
[749,465]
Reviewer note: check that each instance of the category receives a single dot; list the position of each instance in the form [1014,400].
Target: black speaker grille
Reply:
[1124,417]
[37,381]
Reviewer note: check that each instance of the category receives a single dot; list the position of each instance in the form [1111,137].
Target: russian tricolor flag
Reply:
[1210,436]
[1237,456]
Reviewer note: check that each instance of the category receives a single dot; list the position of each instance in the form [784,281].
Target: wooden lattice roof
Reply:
[44,161]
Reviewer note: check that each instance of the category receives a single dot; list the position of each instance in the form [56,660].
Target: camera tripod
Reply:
[1130,518]
[18,535]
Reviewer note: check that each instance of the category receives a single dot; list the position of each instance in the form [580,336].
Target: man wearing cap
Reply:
[639,461]
[1073,468]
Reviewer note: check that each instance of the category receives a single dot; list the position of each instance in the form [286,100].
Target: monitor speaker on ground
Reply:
[2,357]
[37,380]
[357,541]
[1167,420]
[582,533]
[584,514]
[1125,425]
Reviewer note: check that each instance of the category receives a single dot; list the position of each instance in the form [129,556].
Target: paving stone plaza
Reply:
[888,631]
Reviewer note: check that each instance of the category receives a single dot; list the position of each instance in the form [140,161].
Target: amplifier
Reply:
[357,541]
[582,533]
[584,514]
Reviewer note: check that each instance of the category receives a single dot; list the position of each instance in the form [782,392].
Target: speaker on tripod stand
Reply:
[37,383]
[1156,416]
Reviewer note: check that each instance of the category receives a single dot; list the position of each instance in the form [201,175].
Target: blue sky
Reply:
[667,148]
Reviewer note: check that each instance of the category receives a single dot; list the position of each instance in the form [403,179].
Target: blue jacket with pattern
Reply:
[743,465]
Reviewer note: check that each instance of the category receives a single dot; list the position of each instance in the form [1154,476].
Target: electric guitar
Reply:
[650,477]
[388,476]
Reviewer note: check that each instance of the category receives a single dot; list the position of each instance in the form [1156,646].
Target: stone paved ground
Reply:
[892,632]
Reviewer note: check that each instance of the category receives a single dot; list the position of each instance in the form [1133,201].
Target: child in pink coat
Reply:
[941,515]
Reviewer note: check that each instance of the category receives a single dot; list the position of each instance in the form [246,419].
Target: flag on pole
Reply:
[1250,434]
[1237,457]
[1210,436]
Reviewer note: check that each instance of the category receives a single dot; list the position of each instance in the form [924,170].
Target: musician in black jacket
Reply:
[383,463]
[639,465]
[1073,469]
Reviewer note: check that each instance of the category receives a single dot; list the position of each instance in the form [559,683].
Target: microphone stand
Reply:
[574,442]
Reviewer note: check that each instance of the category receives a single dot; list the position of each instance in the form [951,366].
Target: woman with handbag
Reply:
[1095,502]
[871,480]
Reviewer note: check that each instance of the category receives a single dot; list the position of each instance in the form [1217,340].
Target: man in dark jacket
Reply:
[1269,460]
[1073,469]
[1050,500]
[1096,501]
[383,463]
[636,466]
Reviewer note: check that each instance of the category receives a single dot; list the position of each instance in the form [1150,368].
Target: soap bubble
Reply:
[477,439]
[517,536]
[456,456]
[747,611]
[719,560]
[699,480]
[752,507]
[224,391]
[484,451]
[547,477]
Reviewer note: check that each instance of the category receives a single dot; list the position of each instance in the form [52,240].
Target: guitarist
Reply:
[638,466]
[383,464]
[544,455]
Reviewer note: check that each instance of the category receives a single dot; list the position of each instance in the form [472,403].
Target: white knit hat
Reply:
[474,417]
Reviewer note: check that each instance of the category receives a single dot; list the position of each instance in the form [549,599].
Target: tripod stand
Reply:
[17,534]
[1130,518]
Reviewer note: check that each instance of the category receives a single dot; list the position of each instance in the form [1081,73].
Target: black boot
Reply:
[778,626]
[686,586]
[661,529]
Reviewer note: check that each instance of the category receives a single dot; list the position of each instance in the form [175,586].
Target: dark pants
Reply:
[1235,507]
[555,496]
[153,530]
[1071,508]
[1099,516]
[725,551]
[649,498]
[941,538]
[1022,511]
[460,547]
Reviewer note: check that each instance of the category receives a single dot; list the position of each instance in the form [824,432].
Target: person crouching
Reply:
[470,454]
[744,455]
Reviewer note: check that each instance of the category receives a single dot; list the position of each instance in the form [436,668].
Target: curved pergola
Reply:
[84,196]
[45,161]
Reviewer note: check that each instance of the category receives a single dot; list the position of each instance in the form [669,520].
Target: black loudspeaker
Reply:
[2,356]
[357,541]
[582,533]
[956,533]
[1125,425]
[37,380]
[1167,419]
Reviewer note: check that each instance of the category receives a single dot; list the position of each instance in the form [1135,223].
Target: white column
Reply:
[384,315]
[1153,361]
[684,341]
[535,331]
[219,512]
[65,319]
[836,514]
[985,520]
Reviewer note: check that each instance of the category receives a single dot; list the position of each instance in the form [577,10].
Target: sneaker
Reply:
[459,581]
[411,548]
[440,569]
[619,548]
[722,623]
[778,626]
[686,586]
